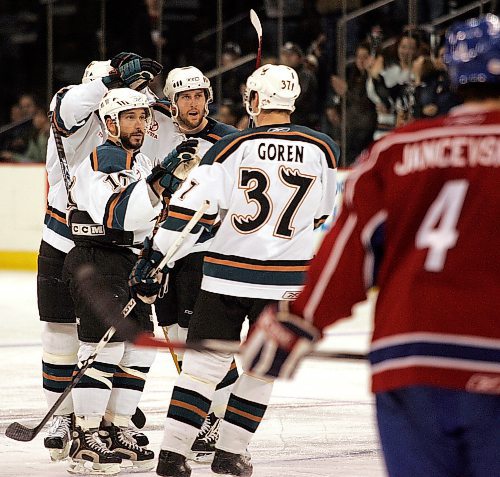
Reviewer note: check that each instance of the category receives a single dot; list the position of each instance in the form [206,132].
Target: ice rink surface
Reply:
[320,424]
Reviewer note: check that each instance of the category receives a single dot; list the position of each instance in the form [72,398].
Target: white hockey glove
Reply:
[277,343]
[174,169]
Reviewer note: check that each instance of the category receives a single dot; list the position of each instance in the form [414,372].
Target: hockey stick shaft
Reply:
[172,352]
[19,432]
[63,162]
[254,18]
[233,347]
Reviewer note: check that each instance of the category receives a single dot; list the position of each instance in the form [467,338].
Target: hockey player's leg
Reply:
[245,410]
[89,454]
[189,406]
[204,446]
[128,384]
[60,346]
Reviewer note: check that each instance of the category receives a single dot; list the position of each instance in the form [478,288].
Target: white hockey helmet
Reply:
[185,79]
[97,70]
[278,87]
[118,100]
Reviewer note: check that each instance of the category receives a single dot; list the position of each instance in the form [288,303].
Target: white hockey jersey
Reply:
[271,185]
[81,130]
[164,135]
[110,201]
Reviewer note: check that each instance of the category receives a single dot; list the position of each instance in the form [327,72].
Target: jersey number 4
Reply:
[438,231]
[255,183]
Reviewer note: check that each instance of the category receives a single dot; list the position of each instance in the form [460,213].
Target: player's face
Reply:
[133,128]
[191,107]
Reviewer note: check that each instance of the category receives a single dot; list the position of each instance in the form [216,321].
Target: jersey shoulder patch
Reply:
[109,158]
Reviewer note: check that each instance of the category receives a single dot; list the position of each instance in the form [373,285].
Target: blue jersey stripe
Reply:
[259,277]
[442,350]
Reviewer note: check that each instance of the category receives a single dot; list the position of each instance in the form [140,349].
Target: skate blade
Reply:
[201,457]
[57,455]
[130,466]
[81,467]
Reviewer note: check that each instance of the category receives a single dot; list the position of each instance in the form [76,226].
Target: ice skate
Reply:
[58,439]
[90,456]
[171,464]
[204,446]
[228,463]
[122,442]
[139,437]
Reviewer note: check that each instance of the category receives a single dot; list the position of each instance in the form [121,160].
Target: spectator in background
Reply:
[17,139]
[305,113]
[388,76]
[361,118]
[230,113]
[233,79]
[36,148]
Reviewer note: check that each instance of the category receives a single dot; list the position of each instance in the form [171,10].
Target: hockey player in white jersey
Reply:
[185,116]
[114,200]
[73,114]
[272,185]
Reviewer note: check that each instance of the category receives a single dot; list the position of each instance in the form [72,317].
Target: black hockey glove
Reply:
[123,57]
[277,343]
[138,72]
[174,169]
[144,286]
[114,79]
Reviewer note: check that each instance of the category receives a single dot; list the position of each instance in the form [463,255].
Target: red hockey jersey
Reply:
[420,220]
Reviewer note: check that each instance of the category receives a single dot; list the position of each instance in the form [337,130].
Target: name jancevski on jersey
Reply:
[280,152]
[449,152]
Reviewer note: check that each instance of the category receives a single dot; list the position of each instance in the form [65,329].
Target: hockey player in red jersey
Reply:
[420,219]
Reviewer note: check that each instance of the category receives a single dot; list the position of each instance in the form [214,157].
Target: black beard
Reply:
[128,145]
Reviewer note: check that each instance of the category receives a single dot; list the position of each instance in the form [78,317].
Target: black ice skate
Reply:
[90,456]
[121,441]
[231,464]
[140,438]
[171,464]
[58,438]
[204,446]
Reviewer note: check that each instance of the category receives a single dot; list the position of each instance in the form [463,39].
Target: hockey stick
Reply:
[254,18]
[138,419]
[106,310]
[172,353]
[18,431]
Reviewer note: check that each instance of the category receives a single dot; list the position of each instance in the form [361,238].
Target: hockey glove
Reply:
[143,285]
[136,73]
[123,57]
[114,80]
[174,169]
[277,343]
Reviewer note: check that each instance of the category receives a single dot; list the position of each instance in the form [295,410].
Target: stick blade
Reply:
[18,432]
[254,18]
